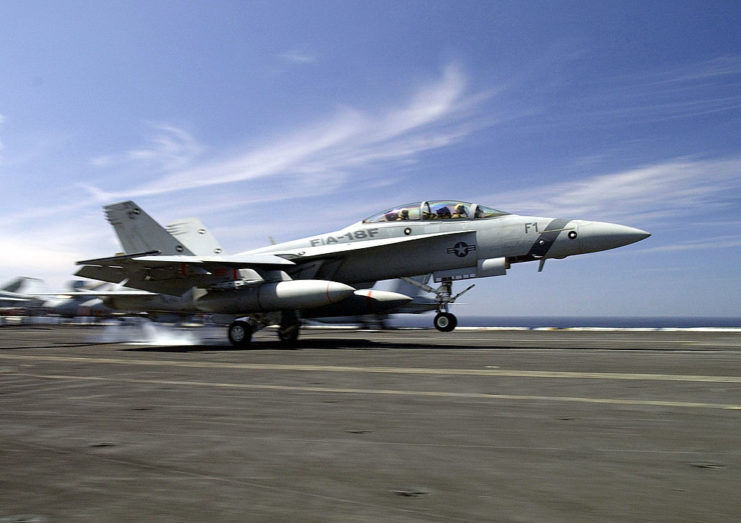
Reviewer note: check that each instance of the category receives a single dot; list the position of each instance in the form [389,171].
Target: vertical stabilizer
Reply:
[13,285]
[193,235]
[24,285]
[139,232]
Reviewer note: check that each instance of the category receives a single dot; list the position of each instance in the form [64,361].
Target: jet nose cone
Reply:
[601,236]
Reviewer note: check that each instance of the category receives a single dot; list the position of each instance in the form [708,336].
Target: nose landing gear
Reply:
[444,321]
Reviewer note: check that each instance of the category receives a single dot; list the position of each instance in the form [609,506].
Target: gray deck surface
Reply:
[409,425]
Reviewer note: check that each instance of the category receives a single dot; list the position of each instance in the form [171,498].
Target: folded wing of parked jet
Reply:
[21,292]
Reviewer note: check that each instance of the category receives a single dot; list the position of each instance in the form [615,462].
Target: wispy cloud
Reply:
[657,192]
[49,248]
[298,56]
[683,91]
[19,256]
[702,71]
[436,115]
[169,147]
[706,244]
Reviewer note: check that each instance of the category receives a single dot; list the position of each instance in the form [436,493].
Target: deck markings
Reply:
[416,393]
[491,372]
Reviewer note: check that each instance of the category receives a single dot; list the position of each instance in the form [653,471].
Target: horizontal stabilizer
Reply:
[194,236]
[115,260]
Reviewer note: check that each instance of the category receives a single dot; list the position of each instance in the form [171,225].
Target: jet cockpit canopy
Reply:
[435,210]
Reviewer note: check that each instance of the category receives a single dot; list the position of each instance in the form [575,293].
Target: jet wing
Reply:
[149,259]
[339,262]
[13,298]
[235,260]
[174,274]
[340,249]
[98,294]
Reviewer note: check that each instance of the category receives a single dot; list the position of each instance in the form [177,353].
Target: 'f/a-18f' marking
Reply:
[361,234]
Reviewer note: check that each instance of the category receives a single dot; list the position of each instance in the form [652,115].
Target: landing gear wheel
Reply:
[289,328]
[240,333]
[445,322]
[288,335]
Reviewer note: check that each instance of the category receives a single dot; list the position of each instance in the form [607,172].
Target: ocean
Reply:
[565,322]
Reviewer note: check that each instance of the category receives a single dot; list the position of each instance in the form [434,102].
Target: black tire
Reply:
[445,322]
[288,335]
[240,333]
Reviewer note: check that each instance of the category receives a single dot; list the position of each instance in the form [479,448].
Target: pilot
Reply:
[391,217]
[403,215]
[443,213]
[460,211]
[479,213]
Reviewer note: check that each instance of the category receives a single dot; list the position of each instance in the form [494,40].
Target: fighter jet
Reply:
[20,293]
[80,299]
[320,275]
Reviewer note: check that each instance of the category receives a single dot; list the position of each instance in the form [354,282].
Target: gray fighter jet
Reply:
[21,293]
[319,276]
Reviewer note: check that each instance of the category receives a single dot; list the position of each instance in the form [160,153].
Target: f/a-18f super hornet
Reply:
[330,274]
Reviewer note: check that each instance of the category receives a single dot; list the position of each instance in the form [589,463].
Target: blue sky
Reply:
[286,119]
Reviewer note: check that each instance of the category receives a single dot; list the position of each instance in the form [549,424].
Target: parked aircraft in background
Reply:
[319,275]
[82,299]
[19,293]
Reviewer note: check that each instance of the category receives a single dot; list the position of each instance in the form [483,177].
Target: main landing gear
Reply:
[289,329]
[240,331]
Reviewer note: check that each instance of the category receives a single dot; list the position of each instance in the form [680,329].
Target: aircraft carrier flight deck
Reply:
[400,425]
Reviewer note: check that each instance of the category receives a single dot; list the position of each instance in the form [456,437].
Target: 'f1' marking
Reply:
[546,239]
